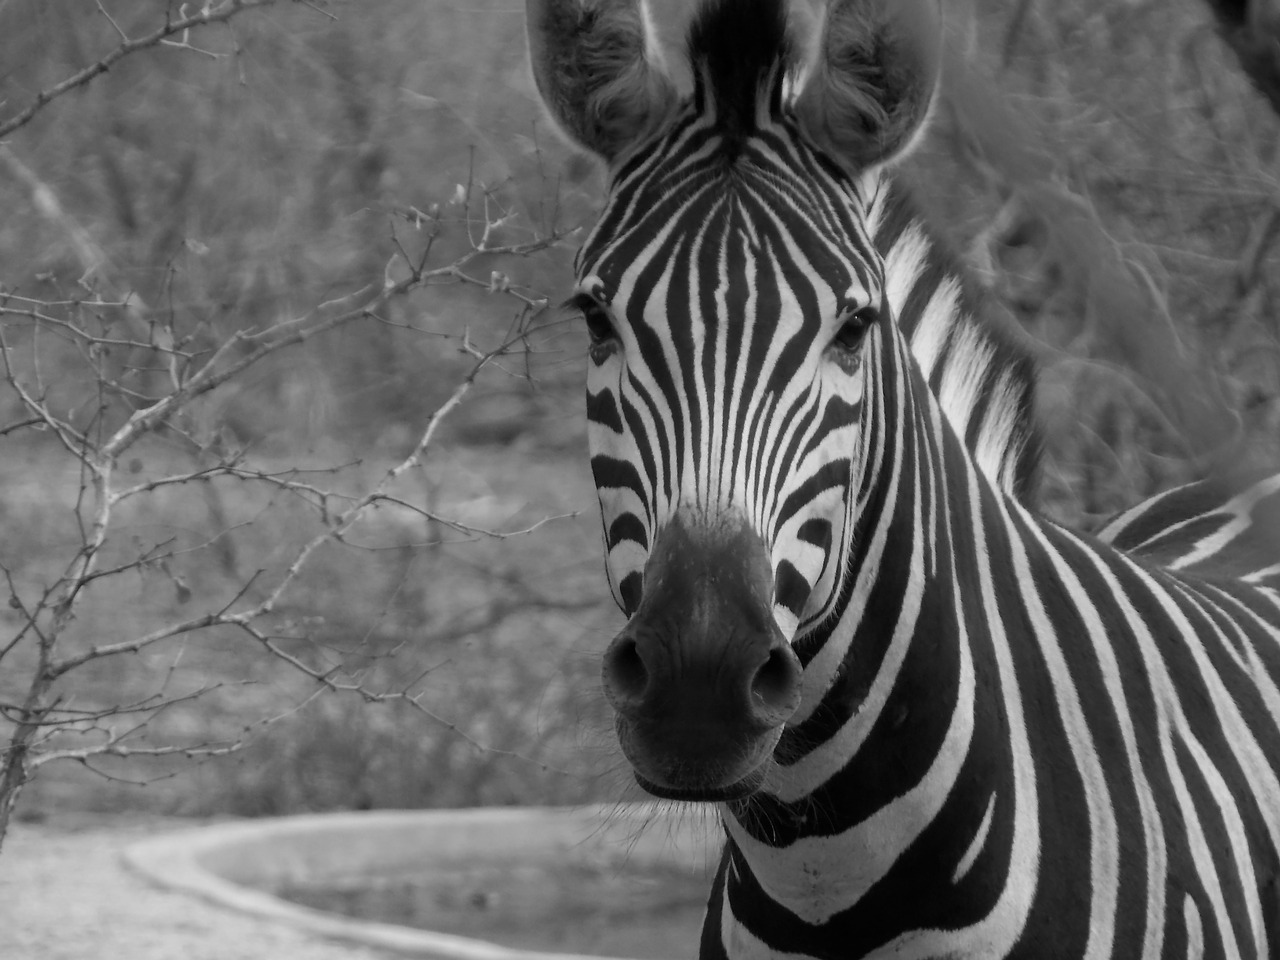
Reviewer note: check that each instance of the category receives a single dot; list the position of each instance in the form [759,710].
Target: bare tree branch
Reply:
[215,12]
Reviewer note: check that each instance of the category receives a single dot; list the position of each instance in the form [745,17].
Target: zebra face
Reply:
[728,321]
[728,303]
[732,296]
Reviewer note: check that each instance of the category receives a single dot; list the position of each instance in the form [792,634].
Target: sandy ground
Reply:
[65,894]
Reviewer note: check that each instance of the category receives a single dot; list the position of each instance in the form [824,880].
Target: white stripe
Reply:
[1128,517]
[1195,931]
[1265,573]
[1239,508]
[999,443]
[936,320]
[903,265]
[976,844]
[962,381]
[695,488]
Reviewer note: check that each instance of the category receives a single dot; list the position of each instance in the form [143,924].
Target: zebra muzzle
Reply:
[702,678]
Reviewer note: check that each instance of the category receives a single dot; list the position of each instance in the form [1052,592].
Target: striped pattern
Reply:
[705,415]
[1013,740]
[1204,529]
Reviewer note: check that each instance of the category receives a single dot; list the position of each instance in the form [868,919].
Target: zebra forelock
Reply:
[740,51]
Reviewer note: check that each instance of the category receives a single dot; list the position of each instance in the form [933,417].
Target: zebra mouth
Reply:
[738,790]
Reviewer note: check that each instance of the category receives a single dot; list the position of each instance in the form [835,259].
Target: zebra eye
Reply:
[855,327]
[599,326]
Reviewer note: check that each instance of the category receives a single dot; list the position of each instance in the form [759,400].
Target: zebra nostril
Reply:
[625,675]
[775,688]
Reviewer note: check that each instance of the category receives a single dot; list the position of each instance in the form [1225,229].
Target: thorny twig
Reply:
[208,13]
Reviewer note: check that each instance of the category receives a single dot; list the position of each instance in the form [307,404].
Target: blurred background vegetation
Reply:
[1105,169]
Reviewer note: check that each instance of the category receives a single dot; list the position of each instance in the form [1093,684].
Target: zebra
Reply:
[933,723]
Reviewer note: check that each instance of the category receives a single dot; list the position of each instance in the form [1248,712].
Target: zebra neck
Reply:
[897,641]
[897,764]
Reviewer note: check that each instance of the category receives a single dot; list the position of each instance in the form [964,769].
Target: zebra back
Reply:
[1215,528]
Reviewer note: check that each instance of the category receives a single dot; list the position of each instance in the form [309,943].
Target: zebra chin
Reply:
[699,779]
[735,791]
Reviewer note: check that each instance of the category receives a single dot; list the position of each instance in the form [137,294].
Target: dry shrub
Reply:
[1115,194]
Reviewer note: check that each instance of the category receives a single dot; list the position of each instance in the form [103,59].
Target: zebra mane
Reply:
[984,380]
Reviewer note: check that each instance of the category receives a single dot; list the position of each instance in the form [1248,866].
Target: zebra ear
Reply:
[598,69]
[873,80]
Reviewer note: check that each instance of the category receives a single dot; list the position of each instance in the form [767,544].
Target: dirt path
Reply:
[65,894]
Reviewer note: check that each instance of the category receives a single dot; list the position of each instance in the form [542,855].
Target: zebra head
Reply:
[732,293]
